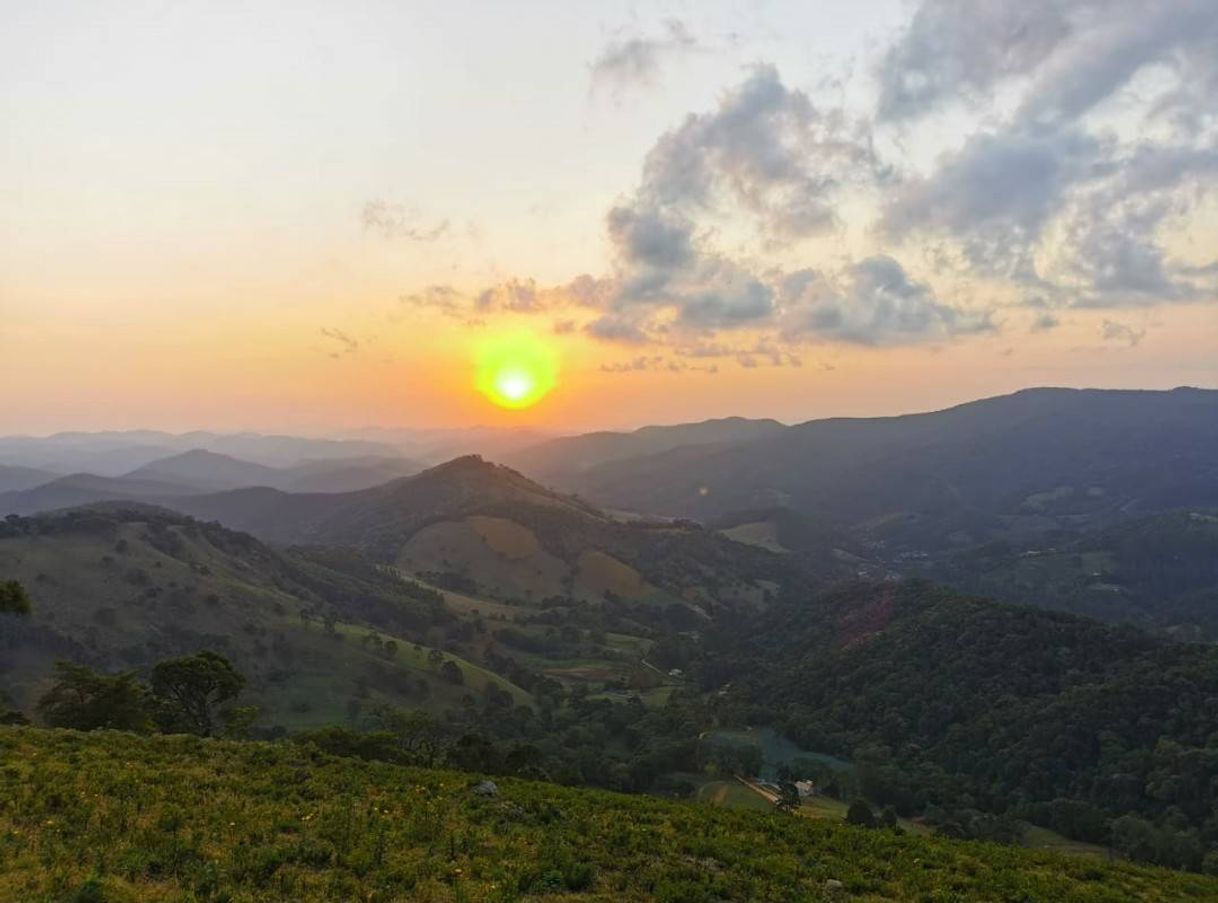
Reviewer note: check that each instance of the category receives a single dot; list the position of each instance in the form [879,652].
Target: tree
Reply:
[190,688]
[788,797]
[14,599]
[238,720]
[860,814]
[421,739]
[85,700]
[452,673]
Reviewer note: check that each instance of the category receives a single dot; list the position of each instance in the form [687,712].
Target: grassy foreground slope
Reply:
[110,816]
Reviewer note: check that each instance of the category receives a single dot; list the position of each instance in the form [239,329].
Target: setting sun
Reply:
[515,371]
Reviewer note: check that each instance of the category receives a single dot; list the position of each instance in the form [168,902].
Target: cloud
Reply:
[879,305]
[445,300]
[651,238]
[1112,232]
[1045,322]
[957,49]
[1074,54]
[398,221]
[1088,135]
[656,362]
[633,61]
[995,195]
[1050,194]
[768,151]
[770,352]
[616,329]
[516,295]
[765,155]
[1111,331]
[347,344]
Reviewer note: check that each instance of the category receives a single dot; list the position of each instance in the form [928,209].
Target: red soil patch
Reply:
[868,618]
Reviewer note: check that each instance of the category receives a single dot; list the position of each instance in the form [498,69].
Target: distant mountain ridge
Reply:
[15,478]
[206,471]
[572,455]
[490,524]
[197,471]
[965,474]
[115,453]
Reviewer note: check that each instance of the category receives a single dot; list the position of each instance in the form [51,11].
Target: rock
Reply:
[833,886]
[486,788]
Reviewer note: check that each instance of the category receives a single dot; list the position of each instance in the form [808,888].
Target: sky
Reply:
[311,216]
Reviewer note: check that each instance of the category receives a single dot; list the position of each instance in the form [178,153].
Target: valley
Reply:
[525,631]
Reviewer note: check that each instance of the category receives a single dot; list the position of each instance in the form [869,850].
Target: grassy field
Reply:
[119,818]
[733,795]
[776,750]
[1038,838]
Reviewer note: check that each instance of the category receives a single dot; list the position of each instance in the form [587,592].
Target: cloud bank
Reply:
[1090,146]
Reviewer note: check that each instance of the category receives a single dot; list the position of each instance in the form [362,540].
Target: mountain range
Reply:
[702,578]
[192,472]
[1001,467]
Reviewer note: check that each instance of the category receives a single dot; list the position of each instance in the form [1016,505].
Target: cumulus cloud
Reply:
[633,60]
[956,49]
[768,150]
[1074,53]
[996,194]
[1051,194]
[1090,134]
[765,157]
[878,305]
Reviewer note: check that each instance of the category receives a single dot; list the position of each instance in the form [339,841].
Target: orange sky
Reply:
[209,217]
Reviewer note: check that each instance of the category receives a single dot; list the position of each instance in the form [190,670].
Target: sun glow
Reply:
[515,371]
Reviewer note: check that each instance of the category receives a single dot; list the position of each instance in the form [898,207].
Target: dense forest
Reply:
[961,706]
[1159,572]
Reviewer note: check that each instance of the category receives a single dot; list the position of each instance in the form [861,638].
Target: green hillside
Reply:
[122,587]
[1159,572]
[998,468]
[954,705]
[488,529]
[326,637]
[114,817]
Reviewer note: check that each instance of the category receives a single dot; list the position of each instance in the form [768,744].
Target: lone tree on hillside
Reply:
[85,700]
[189,690]
[860,814]
[788,797]
[14,600]
[452,673]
